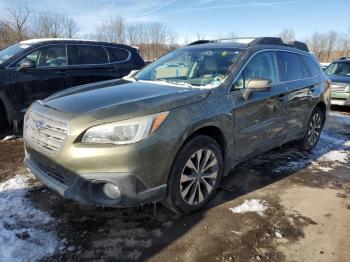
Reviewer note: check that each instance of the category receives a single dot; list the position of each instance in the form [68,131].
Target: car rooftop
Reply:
[245,42]
[71,40]
[343,59]
[218,45]
[40,40]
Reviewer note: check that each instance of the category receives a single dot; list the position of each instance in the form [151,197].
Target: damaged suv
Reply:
[171,131]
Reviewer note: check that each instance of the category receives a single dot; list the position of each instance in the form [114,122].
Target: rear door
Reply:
[121,61]
[258,120]
[297,79]
[89,63]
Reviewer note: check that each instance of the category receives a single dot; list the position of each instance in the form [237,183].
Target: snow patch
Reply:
[335,155]
[23,228]
[8,138]
[253,205]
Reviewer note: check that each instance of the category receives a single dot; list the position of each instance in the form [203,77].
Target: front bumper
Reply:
[82,188]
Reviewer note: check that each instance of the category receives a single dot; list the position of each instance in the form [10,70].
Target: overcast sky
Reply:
[210,17]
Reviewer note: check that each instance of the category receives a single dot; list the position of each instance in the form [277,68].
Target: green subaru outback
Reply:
[339,73]
[173,130]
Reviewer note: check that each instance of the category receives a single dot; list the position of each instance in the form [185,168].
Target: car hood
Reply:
[339,79]
[121,97]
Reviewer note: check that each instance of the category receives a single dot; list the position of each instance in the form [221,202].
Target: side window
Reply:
[306,73]
[48,56]
[262,65]
[291,66]
[117,54]
[313,67]
[86,55]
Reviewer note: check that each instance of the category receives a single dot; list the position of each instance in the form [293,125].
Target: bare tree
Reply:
[343,45]
[71,27]
[6,34]
[287,35]
[48,24]
[200,36]
[316,44]
[332,38]
[16,20]
[113,30]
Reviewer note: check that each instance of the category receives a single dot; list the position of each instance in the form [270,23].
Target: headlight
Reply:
[124,132]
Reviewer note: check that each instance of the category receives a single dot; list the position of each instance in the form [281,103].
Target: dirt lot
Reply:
[302,213]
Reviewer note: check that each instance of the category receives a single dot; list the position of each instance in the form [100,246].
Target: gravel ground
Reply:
[286,205]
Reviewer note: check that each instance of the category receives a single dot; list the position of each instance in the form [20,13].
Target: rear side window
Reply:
[262,65]
[313,67]
[87,55]
[290,66]
[117,54]
[306,73]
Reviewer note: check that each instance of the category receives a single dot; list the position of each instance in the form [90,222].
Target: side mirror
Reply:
[257,84]
[26,64]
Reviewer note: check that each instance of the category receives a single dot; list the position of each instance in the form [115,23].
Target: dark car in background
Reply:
[35,69]
[339,73]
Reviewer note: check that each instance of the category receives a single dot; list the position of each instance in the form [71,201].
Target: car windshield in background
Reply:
[192,67]
[9,52]
[339,68]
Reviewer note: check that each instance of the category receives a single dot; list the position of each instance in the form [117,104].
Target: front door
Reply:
[49,76]
[259,119]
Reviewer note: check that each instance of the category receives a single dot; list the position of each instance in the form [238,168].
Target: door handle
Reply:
[281,97]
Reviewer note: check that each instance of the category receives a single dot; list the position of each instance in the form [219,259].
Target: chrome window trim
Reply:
[313,61]
[229,91]
[71,66]
[127,59]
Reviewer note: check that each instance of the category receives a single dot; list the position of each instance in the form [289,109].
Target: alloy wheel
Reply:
[199,176]
[314,129]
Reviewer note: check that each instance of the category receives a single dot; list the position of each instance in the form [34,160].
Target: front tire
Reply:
[314,128]
[195,175]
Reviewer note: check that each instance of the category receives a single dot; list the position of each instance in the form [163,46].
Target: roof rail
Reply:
[256,41]
[344,57]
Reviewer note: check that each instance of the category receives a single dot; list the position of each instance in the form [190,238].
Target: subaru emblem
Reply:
[40,125]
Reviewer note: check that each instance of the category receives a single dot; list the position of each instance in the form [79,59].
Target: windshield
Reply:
[9,52]
[339,68]
[192,67]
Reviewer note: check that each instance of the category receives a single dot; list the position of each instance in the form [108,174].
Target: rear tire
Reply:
[313,133]
[195,175]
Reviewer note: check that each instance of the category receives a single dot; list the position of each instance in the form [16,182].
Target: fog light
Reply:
[111,190]
[105,192]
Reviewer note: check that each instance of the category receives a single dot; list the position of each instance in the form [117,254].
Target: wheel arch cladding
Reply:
[213,132]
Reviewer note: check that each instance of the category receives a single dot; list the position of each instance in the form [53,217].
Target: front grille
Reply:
[44,132]
[338,87]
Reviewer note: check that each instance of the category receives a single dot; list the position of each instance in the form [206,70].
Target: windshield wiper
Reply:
[182,83]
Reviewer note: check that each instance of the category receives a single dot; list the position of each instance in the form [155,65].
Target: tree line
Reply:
[327,46]
[153,39]
[20,23]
